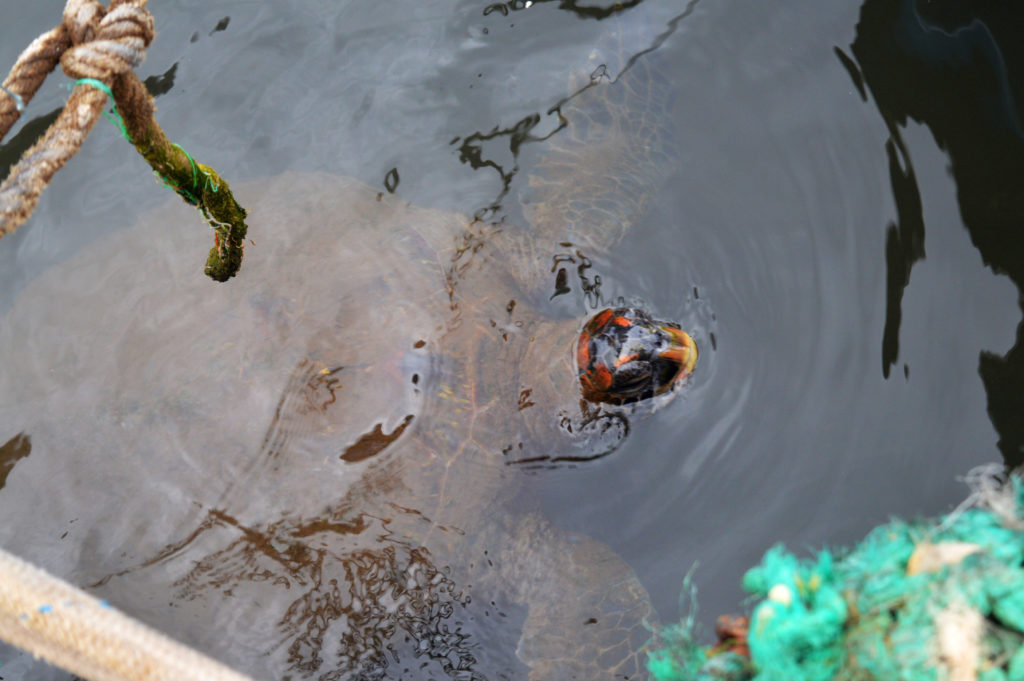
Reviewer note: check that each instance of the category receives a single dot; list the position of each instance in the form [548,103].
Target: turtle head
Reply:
[624,355]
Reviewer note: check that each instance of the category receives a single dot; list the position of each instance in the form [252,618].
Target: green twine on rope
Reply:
[186,194]
[212,221]
[218,208]
[112,115]
[210,184]
[190,160]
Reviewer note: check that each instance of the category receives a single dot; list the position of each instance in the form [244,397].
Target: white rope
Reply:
[73,630]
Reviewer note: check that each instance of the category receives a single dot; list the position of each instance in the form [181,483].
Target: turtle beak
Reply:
[682,352]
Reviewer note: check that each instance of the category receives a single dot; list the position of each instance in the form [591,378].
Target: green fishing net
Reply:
[939,600]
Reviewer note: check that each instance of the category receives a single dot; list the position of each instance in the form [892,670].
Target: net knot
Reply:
[105,43]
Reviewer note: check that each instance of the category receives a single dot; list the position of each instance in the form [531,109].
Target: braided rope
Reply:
[74,631]
[100,49]
[29,72]
[90,43]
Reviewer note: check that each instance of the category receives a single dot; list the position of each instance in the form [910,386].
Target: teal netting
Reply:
[914,601]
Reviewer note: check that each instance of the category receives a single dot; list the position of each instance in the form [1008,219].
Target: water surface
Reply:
[817,235]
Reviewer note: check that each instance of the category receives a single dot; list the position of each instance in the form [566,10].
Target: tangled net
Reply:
[915,601]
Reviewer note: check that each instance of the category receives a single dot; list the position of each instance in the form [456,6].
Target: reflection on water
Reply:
[775,215]
[333,439]
[957,68]
[314,461]
[384,611]
[589,11]
[12,451]
[632,105]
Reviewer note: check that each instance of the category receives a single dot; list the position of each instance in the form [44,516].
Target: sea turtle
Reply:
[315,470]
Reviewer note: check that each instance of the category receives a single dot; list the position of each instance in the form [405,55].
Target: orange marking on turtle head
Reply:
[583,352]
[600,320]
[601,377]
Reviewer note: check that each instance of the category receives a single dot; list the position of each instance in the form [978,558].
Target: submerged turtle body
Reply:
[349,420]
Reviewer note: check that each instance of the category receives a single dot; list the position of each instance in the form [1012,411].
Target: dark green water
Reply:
[841,230]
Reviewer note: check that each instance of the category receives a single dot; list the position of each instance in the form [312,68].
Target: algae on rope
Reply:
[197,183]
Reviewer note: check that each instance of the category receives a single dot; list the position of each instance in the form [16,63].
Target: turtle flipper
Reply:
[588,614]
[612,155]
